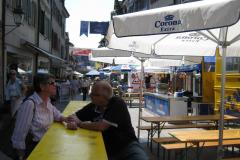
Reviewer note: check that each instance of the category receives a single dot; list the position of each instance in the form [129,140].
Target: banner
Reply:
[81,52]
[99,27]
[84,28]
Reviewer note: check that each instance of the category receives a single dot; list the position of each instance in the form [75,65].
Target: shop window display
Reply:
[233,64]
[22,64]
[43,64]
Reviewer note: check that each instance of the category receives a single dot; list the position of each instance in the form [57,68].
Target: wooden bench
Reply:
[180,126]
[179,146]
[165,140]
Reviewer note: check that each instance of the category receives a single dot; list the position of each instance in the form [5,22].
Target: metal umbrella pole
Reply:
[140,97]
[221,120]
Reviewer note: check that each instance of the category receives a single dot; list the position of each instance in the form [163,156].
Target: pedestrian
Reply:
[74,86]
[109,115]
[14,91]
[85,88]
[35,115]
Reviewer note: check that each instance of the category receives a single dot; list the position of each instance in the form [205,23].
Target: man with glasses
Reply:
[109,115]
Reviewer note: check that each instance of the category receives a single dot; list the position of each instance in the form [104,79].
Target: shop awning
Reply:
[42,51]
[189,68]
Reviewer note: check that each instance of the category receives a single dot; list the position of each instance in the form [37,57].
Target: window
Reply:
[25,9]
[33,13]
[63,28]
[141,5]
[62,52]
[47,27]
[41,22]
[233,64]
[153,1]
[55,41]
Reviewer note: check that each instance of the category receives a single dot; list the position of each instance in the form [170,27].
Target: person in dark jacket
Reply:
[110,116]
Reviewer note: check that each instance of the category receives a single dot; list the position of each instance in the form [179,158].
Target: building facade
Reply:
[39,44]
[129,6]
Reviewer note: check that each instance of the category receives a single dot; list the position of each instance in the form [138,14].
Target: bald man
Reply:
[110,115]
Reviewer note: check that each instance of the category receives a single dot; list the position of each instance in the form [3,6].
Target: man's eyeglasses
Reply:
[52,83]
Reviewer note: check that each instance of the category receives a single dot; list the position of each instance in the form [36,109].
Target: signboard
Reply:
[157,106]
[134,81]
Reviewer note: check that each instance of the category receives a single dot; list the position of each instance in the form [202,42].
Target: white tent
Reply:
[195,16]
[78,73]
[113,56]
[133,59]
[154,69]
[21,71]
[166,46]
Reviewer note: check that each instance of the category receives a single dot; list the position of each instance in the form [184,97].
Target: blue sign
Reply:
[149,103]
[162,107]
[157,106]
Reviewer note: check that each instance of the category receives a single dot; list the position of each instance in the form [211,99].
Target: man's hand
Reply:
[72,122]
[72,118]
[72,125]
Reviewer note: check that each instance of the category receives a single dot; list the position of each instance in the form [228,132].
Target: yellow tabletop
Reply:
[62,144]
[205,135]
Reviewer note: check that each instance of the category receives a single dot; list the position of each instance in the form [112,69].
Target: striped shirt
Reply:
[35,123]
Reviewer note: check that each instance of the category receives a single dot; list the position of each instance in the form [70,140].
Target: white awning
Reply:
[193,16]
[42,51]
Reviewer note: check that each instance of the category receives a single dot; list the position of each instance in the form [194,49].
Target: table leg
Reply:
[186,155]
[197,151]
[160,126]
[158,137]
[151,133]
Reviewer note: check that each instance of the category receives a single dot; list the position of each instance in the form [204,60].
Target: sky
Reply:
[86,10]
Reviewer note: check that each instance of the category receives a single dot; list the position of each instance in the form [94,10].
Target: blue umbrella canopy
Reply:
[93,73]
[123,67]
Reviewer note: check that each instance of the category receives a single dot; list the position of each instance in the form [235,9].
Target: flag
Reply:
[99,27]
[84,28]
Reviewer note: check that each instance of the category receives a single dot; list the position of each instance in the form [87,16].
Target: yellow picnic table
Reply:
[60,143]
[203,136]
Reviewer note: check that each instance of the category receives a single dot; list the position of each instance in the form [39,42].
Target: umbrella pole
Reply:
[221,120]
[140,98]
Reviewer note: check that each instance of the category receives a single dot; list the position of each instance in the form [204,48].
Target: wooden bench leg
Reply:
[164,153]
[169,154]
[148,137]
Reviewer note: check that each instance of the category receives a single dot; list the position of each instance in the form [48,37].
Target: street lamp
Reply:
[18,16]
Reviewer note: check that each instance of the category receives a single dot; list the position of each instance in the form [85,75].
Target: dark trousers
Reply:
[85,91]
[133,151]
